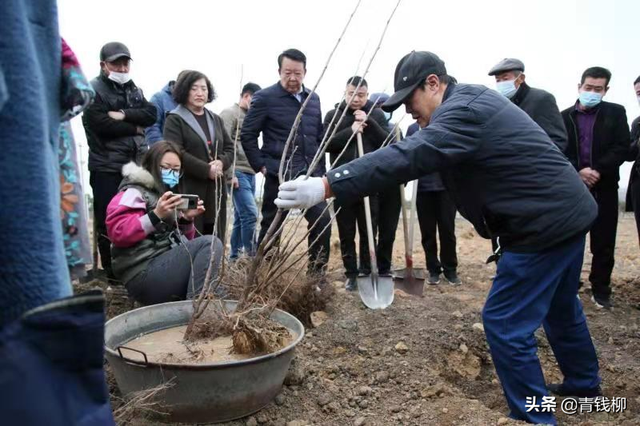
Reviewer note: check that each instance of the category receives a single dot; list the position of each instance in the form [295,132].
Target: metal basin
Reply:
[201,393]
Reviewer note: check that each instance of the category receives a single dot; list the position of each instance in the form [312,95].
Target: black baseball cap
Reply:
[410,72]
[114,50]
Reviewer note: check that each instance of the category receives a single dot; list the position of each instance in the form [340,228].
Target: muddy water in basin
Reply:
[167,346]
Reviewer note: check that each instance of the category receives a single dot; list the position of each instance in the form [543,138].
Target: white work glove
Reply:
[300,193]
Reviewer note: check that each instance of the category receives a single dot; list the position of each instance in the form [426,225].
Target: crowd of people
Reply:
[121,125]
[534,179]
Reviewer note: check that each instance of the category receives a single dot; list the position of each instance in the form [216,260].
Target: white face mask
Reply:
[507,88]
[119,77]
[638,100]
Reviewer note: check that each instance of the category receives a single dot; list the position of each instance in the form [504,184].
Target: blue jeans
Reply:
[529,290]
[245,216]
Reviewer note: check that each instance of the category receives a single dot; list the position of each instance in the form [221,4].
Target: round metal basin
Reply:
[200,393]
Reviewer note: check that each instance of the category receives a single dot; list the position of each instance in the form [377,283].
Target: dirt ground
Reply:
[424,361]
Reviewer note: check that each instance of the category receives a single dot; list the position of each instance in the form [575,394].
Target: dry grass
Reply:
[141,403]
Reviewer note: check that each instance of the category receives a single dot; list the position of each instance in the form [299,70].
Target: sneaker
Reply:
[558,389]
[434,278]
[384,273]
[453,279]
[351,284]
[602,302]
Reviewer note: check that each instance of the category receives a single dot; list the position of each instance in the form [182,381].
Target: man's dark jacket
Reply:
[610,146]
[541,106]
[431,182]
[372,137]
[634,155]
[273,112]
[114,143]
[506,176]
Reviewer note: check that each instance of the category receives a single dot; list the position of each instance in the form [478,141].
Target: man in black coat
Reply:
[633,190]
[114,125]
[436,210]
[273,112]
[598,144]
[540,105]
[342,148]
[508,179]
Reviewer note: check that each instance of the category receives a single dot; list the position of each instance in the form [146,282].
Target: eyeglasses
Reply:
[177,170]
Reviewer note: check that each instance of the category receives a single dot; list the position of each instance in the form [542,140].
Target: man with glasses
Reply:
[599,143]
[114,125]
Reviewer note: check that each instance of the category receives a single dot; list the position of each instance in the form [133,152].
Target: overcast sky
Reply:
[555,39]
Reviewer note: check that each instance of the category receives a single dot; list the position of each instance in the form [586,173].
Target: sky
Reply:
[239,41]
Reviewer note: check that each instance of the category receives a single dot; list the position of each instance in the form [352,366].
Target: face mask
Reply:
[119,77]
[170,177]
[506,88]
[638,100]
[590,99]
[387,115]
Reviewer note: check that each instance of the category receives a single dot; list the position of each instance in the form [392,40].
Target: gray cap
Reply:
[507,64]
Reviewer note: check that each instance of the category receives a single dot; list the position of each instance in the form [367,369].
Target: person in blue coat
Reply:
[272,113]
[164,103]
[51,344]
[508,179]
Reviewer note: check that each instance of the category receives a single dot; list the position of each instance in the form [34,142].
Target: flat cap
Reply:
[507,64]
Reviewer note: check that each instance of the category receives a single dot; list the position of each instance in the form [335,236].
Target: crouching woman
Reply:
[154,249]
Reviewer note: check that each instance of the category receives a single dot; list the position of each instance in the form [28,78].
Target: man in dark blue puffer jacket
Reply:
[273,112]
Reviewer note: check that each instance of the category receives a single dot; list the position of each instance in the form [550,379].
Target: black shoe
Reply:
[351,284]
[452,277]
[602,302]
[434,278]
[558,389]
[384,273]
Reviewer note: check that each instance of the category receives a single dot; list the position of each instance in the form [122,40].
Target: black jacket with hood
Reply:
[114,143]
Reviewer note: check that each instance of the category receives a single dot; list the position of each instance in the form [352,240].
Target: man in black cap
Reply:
[509,180]
[540,105]
[114,125]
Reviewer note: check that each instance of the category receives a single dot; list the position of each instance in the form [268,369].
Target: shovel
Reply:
[409,280]
[375,292]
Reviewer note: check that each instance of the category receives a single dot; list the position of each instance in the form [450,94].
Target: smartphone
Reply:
[189,202]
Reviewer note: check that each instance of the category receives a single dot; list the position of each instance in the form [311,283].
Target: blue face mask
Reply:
[506,88]
[170,177]
[589,99]
[387,115]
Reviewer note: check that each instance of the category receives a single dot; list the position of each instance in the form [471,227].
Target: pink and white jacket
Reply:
[127,220]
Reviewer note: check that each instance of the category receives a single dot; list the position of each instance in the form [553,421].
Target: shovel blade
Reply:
[409,280]
[376,292]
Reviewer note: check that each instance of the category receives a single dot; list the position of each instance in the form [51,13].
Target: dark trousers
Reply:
[634,189]
[105,187]
[169,276]
[603,240]
[388,216]
[437,210]
[319,252]
[529,290]
[350,217]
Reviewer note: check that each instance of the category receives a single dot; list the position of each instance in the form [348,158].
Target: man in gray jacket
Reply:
[538,104]
[244,181]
